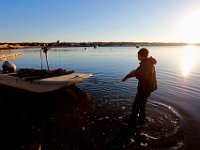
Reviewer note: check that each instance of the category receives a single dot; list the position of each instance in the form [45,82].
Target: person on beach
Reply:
[147,83]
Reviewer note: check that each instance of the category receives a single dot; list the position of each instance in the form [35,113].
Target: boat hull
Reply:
[43,85]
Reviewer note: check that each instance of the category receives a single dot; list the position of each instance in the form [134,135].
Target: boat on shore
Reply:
[42,81]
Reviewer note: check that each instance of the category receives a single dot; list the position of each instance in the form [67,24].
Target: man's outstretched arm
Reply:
[130,74]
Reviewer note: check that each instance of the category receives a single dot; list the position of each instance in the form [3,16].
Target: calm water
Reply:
[172,111]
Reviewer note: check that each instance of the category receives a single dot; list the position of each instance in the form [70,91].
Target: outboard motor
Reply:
[9,67]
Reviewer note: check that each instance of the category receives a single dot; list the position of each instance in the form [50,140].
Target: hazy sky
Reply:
[99,20]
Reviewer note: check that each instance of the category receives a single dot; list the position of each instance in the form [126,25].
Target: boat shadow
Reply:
[51,121]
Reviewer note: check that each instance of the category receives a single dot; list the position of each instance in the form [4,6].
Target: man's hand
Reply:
[124,79]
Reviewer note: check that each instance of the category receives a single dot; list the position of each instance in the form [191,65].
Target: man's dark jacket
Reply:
[146,75]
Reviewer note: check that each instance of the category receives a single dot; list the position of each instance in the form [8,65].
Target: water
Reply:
[93,112]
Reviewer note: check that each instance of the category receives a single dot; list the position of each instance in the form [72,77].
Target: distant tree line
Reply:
[92,44]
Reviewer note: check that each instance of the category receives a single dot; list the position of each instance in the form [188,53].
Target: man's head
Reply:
[143,54]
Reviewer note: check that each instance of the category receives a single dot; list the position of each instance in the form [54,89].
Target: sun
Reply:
[189,29]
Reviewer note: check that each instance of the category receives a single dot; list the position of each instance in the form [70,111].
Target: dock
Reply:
[9,56]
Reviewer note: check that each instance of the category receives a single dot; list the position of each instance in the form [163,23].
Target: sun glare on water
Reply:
[189,29]
[188,59]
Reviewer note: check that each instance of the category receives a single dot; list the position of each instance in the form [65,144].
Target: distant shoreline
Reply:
[88,44]
[7,47]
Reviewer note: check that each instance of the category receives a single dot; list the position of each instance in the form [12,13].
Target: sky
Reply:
[100,21]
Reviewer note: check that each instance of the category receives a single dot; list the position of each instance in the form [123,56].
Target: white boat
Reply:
[43,83]
[39,81]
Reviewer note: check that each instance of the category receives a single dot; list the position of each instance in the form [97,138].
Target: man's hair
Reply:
[143,52]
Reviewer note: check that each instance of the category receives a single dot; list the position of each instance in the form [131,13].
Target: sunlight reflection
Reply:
[188,59]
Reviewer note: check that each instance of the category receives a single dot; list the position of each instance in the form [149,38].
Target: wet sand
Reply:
[71,119]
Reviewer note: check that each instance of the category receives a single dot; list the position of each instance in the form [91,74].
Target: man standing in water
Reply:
[147,83]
